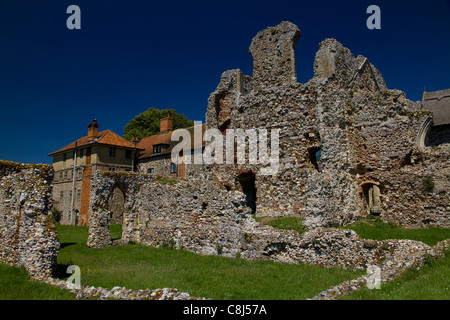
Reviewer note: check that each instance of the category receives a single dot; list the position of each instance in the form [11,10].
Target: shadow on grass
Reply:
[66,244]
[60,271]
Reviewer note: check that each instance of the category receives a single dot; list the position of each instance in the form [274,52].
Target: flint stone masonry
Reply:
[365,132]
[27,234]
[349,147]
[195,215]
[205,218]
[121,293]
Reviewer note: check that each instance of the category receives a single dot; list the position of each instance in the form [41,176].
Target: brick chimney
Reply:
[166,124]
[92,130]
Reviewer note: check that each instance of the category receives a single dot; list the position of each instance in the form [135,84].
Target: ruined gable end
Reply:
[337,64]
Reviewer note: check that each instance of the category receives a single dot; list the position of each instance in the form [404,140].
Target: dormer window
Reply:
[157,149]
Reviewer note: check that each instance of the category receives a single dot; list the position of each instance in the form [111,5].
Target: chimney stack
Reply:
[166,124]
[92,130]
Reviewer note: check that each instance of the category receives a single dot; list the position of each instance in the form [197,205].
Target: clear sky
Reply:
[131,55]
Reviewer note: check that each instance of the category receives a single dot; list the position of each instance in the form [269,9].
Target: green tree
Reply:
[147,123]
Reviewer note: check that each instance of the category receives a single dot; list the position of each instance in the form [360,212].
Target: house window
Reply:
[112,152]
[81,153]
[156,149]
[150,170]
[79,194]
[65,175]
[61,175]
[61,195]
[64,156]
[173,168]
[128,154]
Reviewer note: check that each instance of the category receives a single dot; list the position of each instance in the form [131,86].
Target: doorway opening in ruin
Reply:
[372,195]
[116,204]
[247,182]
[314,157]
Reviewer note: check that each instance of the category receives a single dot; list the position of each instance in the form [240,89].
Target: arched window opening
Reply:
[372,194]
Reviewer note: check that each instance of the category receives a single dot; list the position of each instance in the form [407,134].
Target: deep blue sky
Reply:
[135,54]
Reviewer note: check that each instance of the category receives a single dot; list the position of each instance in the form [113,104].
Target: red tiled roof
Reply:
[164,138]
[147,143]
[105,137]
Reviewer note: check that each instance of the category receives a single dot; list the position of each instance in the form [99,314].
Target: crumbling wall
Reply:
[27,234]
[365,133]
[206,218]
[200,216]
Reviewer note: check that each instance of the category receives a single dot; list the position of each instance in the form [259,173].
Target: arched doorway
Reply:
[247,181]
[372,195]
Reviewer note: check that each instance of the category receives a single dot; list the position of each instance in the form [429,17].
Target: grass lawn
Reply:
[432,282]
[287,223]
[15,284]
[372,227]
[140,267]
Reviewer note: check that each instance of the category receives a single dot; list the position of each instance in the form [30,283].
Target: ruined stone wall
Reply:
[27,234]
[207,219]
[197,215]
[365,133]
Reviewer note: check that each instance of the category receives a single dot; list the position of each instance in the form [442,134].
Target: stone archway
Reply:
[109,203]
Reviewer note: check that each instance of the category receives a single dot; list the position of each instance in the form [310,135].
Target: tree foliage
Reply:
[147,123]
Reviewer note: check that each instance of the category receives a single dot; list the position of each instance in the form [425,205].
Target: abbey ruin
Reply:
[349,147]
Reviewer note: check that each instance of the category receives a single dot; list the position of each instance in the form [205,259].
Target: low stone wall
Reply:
[205,218]
[27,234]
[200,216]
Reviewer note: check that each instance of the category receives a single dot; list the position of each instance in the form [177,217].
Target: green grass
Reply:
[140,267]
[432,282]
[166,180]
[371,227]
[288,223]
[15,284]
